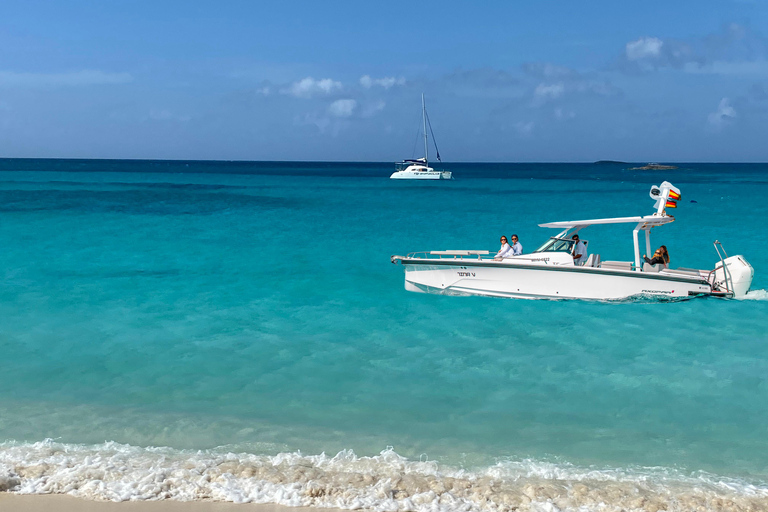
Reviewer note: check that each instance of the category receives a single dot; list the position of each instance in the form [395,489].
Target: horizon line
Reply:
[601,161]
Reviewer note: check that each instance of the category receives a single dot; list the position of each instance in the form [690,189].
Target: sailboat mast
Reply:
[424,116]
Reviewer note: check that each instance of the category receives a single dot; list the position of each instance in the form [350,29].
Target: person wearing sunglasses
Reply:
[517,247]
[505,251]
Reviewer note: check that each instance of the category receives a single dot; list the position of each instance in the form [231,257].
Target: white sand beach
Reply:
[64,503]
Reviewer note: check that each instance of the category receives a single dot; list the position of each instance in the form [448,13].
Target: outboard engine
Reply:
[736,278]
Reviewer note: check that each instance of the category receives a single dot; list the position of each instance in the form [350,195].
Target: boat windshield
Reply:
[417,166]
[555,244]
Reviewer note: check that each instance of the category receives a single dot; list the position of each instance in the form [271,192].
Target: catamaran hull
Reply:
[545,282]
[407,175]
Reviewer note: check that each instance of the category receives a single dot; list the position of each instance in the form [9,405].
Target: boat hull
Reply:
[502,279]
[421,175]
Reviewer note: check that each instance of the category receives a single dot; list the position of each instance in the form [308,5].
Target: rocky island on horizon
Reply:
[653,167]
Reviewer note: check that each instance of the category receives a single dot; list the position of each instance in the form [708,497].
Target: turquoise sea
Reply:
[236,331]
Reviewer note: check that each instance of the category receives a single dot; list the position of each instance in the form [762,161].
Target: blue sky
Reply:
[511,81]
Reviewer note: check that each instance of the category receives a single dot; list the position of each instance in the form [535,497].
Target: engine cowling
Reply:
[740,274]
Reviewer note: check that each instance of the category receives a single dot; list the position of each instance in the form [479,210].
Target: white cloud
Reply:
[544,92]
[342,108]
[309,87]
[561,114]
[322,123]
[571,84]
[73,79]
[373,108]
[386,82]
[724,114]
[758,92]
[160,115]
[758,68]
[733,50]
[598,88]
[524,128]
[643,48]
[546,71]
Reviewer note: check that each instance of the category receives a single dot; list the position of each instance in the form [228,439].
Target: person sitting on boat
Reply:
[505,251]
[517,248]
[579,252]
[661,256]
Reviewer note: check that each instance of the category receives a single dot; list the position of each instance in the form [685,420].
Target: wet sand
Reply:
[63,503]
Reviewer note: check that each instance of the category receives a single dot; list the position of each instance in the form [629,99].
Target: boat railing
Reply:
[727,277]
[449,254]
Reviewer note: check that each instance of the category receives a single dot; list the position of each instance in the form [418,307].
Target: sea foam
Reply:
[755,295]
[386,482]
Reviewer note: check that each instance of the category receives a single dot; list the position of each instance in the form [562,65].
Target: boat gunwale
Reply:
[451,262]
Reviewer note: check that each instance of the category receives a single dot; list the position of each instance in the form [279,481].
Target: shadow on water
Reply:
[118,274]
[127,184]
[147,202]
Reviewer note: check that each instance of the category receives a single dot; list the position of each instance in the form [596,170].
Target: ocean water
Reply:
[235,331]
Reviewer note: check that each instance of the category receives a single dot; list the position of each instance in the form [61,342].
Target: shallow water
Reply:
[252,309]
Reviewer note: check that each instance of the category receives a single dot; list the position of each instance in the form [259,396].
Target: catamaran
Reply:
[550,272]
[419,169]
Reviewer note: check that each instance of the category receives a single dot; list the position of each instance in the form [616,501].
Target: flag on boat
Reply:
[674,195]
[671,204]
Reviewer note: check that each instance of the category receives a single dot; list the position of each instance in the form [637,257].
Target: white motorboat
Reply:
[419,169]
[550,273]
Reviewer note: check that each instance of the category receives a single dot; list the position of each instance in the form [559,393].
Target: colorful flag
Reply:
[671,204]
[674,195]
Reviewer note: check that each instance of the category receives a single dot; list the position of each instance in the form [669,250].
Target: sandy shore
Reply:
[64,503]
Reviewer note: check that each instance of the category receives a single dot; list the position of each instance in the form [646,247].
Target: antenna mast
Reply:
[424,116]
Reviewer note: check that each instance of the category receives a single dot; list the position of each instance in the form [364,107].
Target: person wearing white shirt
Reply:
[505,251]
[517,247]
[579,251]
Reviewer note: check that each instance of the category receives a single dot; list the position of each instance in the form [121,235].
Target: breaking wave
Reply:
[386,482]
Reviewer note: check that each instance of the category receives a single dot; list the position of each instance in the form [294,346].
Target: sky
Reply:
[504,81]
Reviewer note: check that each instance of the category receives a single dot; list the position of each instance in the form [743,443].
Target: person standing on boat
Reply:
[517,248]
[505,251]
[579,251]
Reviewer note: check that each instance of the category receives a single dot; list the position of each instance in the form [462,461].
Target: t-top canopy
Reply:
[648,220]
[665,195]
